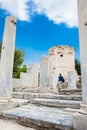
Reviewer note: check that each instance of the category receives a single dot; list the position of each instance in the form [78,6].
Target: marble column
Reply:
[82,17]
[80,118]
[7,57]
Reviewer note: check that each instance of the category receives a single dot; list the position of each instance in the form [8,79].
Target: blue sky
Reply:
[41,25]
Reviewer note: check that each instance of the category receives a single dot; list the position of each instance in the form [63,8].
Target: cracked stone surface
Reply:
[40,116]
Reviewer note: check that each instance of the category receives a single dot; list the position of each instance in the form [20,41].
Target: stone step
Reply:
[40,117]
[70,92]
[13,103]
[56,103]
[71,110]
[37,90]
[25,95]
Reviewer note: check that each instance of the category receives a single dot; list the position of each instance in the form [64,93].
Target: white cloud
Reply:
[59,11]
[18,8]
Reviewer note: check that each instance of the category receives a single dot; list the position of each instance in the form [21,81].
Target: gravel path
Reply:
[10,125]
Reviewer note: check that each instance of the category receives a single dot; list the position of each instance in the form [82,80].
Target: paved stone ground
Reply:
[10,125]
[41,117]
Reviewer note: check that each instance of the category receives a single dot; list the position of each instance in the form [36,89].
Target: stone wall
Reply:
[27,80]
[16,83]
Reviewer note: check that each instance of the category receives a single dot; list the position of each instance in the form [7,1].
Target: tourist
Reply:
[60,80]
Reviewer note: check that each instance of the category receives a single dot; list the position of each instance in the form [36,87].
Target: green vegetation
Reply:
[71,128]
[77,66]
[22,69]
[18,60]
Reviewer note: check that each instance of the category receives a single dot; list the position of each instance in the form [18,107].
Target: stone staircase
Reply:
[28,95]
[50,99]
[44,111]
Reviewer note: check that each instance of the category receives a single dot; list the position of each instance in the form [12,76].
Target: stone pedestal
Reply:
[71,80]
[7,57]
[32,69]
[44,82]
[83,109]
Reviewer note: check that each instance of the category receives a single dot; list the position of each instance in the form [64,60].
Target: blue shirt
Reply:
[60,78]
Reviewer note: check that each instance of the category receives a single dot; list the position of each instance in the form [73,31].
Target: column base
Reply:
[80,118]
[80,121]
[83,109]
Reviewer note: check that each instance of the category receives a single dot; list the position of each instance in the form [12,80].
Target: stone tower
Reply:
[61,60]
[7,57]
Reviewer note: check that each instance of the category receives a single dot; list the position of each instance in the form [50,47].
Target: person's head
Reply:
[60,74]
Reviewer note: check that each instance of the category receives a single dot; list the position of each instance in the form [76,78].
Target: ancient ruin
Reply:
[61,59]
[27,80]
[65,109]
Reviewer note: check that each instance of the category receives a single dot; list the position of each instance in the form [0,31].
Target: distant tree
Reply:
[22,69]
[77,66]
[18,60]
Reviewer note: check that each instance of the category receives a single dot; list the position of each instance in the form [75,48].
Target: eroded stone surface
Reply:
[41,117]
